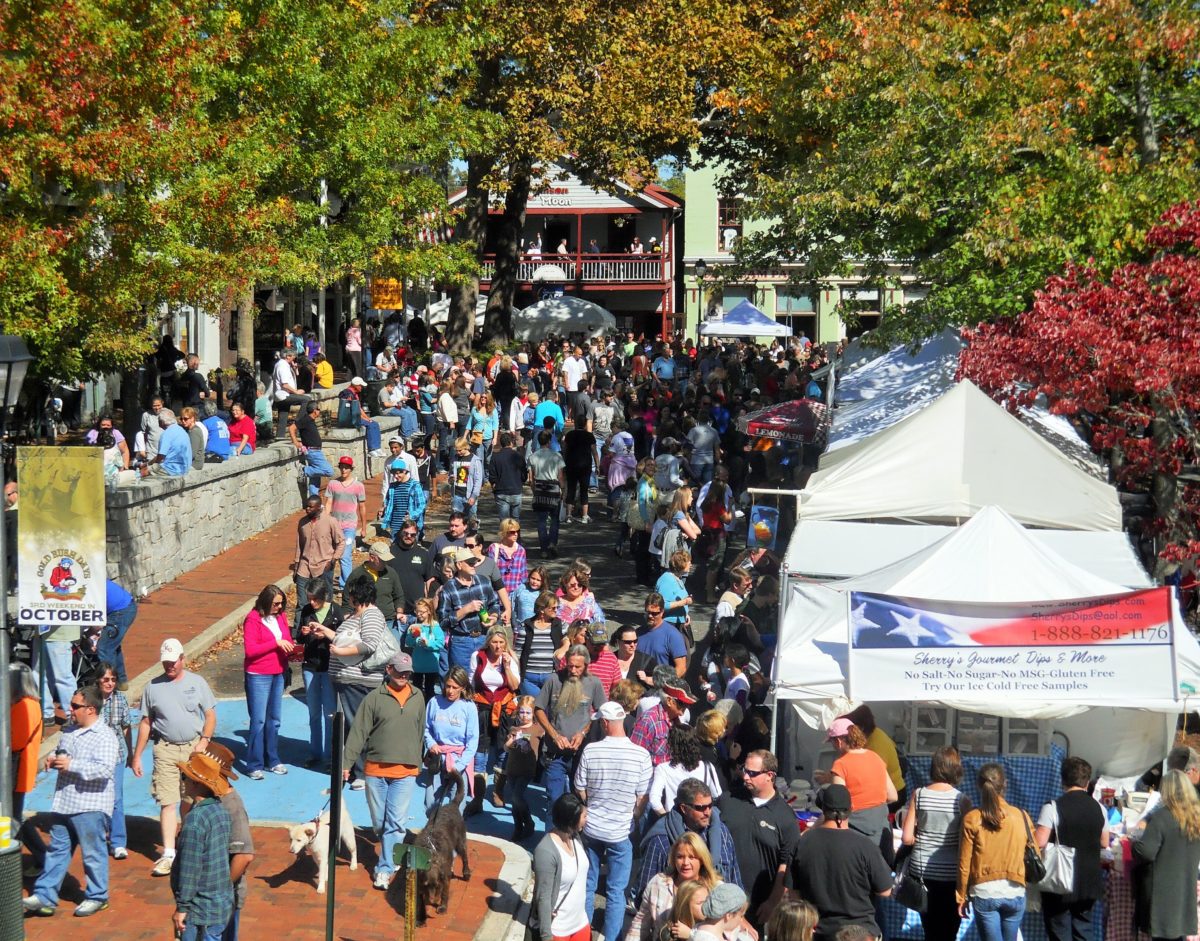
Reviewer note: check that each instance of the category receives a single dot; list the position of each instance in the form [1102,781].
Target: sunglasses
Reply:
[746,772]
[629,643]
[402,674]
[653,614]
[77,705]
[700,808]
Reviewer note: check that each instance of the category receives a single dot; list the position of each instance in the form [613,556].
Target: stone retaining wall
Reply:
[161,527]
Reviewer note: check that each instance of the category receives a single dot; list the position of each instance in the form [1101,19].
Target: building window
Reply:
[798,311]
[864,304]
[729,224]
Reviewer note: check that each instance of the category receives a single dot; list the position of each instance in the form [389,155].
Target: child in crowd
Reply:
[520,764]
[425,641]
[721,914]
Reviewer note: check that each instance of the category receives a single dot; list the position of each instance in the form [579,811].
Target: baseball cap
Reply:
[839,729]
[464,555]
[345,461]
[612,711]
[401,663]
[170,651]
[598,633]
[381,550]
[723,899]
[834,799]
[681,691]
[358,381]
[396,439]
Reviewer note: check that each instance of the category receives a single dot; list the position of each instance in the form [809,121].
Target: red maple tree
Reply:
[1120,355]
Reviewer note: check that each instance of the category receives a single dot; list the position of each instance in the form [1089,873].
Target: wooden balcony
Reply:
[616,270]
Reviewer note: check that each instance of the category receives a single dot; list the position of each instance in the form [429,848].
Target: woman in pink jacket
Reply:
[267,642]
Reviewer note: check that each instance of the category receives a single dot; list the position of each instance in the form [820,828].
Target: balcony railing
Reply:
[592,269]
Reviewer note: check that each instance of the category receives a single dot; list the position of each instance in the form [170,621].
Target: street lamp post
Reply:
[14,364]
[701,270]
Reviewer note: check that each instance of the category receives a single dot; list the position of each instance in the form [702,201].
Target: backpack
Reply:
[672,542]
[347,414]
[388,648]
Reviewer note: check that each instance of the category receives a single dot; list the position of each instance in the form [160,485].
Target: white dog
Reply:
[314,837]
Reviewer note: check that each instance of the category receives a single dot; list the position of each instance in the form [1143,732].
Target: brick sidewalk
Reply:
[283,903]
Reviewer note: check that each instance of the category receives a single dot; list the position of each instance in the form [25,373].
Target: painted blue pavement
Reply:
[296,796]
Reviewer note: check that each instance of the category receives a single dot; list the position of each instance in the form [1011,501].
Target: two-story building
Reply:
[620,250]
[712,227]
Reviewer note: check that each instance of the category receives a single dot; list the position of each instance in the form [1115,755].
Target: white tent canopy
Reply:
[563,316]
[829,549]
[744,320]
[438,312]
[946,461]
[990,558]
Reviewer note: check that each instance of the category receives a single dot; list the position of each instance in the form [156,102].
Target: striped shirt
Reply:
[541,650]
[367,630]
[344,499]
[939,821]
[614,773]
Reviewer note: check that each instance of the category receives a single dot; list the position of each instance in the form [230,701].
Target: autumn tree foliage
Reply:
[982,144]
[1120,354]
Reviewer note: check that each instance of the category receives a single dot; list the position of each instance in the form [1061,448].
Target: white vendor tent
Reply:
[946,461]
[439,312]
[745,320]
[830,549]
[933,365]
[563,316]
[991,558]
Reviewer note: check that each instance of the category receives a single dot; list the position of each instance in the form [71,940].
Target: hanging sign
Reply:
[1116,648]
[60,536]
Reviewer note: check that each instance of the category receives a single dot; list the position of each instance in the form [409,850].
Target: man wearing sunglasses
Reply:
[694,811]
[765,834]
[83,803]
[388,732]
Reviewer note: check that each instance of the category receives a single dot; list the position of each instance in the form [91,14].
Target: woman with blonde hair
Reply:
[792,920]
[687,862]
[485,420]
[1172,843]
[991,860]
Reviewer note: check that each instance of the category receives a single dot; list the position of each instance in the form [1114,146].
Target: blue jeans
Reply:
[508,506]
[318,694]
[87,831]
[374,435]
[201,932]
[556,779]
[532,683]
[264,702]
[60,680]
[109,648]
[547,524]
[117,835]
[387,799]
[620,863]
[437,793]
[316,466]
[460,648]
[231,930]
[999,919]
[347,553]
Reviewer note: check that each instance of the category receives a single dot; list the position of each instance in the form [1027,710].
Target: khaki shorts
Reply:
[165,781]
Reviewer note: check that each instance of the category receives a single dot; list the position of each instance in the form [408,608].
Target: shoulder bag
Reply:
[909,888]
[1035,868]
[1059,863]
[546,495]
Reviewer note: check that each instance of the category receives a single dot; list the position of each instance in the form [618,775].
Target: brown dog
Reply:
[445,835]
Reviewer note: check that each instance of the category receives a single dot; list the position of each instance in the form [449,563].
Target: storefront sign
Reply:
[387,294]
[60,536]
[1118,648]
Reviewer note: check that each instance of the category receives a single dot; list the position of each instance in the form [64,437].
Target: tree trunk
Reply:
[460,324]
[497,319]
[1147,130]
[1164,488]
[245,333]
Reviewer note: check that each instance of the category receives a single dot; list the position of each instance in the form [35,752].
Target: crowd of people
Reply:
[635,758]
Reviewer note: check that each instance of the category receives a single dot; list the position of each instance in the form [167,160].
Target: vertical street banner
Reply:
[1116,648]
[60,536]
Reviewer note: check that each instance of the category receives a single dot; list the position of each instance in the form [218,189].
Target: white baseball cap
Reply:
[170,651]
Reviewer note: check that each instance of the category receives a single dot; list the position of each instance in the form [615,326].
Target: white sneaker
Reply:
[585,519]
[279,769]
[119,852]
[358,784]
[382,880]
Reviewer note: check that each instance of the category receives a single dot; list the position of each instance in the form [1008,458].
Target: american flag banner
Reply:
[1117,649]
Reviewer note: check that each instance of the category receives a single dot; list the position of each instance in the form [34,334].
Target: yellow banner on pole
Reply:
[61,536]
[387,294]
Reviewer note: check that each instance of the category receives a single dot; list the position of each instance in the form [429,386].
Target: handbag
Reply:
[1035,867]
[546,495]
[1059,864]
[909,888]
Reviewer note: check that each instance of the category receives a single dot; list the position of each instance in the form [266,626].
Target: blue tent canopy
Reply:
[745,320]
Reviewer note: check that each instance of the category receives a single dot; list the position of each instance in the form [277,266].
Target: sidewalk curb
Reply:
[507,920]
[198,645]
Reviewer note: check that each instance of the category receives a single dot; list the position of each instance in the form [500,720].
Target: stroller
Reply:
[85,656]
